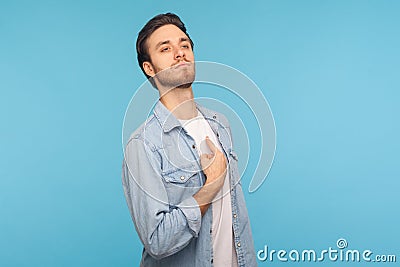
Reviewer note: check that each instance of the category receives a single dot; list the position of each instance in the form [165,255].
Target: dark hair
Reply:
[150,27]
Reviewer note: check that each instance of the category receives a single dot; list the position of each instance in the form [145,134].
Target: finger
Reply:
[204,159]
[207,157]
[211,145]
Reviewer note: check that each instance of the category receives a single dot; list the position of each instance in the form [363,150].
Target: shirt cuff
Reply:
[191,210]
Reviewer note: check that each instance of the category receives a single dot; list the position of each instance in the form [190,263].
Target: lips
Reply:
[181,64]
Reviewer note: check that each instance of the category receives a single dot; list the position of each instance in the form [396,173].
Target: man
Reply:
[180,173]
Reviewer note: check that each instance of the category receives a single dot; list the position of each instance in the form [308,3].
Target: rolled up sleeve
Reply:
[162,228]
[191,210]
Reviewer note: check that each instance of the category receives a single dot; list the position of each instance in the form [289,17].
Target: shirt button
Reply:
[234,215]
[193,146]
[210,231]
[238,244]
[182,178]
[212,260]
[214,117]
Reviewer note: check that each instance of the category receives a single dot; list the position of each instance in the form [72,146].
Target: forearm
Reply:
[203,198]
[207,193]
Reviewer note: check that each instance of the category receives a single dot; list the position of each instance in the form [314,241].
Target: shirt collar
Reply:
[168,121]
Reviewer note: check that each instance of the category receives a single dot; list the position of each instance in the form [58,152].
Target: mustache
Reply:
[182,62]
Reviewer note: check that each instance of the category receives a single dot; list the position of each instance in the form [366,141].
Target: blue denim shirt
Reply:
[161,173]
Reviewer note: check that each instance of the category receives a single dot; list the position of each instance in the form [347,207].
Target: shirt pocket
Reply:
[181,183]
[180,175]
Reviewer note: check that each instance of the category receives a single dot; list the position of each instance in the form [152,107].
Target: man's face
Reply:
[172,58]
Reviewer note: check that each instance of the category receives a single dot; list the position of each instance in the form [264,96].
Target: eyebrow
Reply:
[182,39]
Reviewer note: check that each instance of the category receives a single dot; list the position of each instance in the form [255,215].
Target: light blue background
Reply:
[329,69]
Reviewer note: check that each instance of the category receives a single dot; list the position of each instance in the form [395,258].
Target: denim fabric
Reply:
[160,174]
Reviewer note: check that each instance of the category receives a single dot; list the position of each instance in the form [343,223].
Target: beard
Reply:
[176,77]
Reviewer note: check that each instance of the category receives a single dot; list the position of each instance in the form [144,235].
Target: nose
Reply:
[179,53]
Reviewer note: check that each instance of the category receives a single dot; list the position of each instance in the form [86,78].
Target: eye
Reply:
[186,46]
[164,49]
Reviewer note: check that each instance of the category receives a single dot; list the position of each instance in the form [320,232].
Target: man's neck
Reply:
[180,102]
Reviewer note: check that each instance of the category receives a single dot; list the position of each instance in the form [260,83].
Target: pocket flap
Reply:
[180,175]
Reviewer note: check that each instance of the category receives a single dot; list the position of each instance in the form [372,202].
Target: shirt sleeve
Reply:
[162,228]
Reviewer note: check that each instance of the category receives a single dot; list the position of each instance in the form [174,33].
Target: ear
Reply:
[148,68]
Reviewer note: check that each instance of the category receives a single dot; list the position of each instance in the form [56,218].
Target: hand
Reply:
[213,165]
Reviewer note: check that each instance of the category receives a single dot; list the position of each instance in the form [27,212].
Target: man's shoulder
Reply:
[146,130]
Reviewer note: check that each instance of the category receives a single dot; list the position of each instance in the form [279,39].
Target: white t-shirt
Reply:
[224,253]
